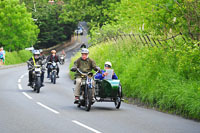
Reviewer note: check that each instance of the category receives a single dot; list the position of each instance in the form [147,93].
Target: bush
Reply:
[17,57]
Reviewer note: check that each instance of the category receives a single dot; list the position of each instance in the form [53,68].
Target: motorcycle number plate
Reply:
[37,69]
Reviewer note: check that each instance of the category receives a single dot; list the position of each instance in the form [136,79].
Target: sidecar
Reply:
[108,91]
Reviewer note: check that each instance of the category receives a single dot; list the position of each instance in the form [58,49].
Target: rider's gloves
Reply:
[73,69]
[97,69]
[30,67]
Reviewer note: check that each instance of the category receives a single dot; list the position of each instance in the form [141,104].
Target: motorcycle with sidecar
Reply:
[105,91]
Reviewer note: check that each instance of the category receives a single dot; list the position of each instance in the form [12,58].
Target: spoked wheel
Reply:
[118,98]
[88,99]
[38,85]
[51,76]
[54,79]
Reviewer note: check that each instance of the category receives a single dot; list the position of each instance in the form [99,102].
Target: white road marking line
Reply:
[19,86]
[19,80]
[22,77]
[29,97]
[46,107]
[89,128]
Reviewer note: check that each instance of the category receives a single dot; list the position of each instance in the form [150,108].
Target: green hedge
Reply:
[166,78]
[17,57]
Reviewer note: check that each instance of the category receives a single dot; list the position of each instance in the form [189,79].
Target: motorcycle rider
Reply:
[83,45]
[63,53]
[62,57]
[53,58]
[42,56]
[103,73]
[35,60]
[85,64]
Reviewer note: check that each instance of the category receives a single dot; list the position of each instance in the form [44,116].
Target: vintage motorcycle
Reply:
[86,90]
[62,59]
[36,73]
[105,91]
[53,70]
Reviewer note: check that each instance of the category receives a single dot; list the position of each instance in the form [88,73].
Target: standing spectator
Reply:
[2,55]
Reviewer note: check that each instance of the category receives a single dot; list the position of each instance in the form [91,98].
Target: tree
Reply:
[52,30]
[17,29]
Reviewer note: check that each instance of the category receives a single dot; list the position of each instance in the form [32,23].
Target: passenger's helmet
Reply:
[84,51]
[108,64]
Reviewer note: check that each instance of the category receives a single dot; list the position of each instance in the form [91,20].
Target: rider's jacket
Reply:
[37,61]
[52,58]
[100,75]
[84,66]
[43,57]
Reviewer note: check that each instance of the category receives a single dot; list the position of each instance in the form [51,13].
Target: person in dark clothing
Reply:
[53,58]
[35,60]
[42,56]
[83,45]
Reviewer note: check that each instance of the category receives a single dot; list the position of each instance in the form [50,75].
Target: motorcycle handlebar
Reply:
[85,74]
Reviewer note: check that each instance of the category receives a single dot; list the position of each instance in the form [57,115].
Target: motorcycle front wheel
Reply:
[88,99]
[38,84]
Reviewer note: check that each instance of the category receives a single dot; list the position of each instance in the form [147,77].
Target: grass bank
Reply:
[17,57]
[166,78]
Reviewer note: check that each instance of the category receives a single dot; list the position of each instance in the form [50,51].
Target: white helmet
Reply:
[36,52]
[84,51]
[41,50]
[108,64]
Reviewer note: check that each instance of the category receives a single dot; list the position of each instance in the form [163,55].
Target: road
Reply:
[52,110]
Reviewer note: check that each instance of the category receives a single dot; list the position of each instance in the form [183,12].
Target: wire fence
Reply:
[150,41]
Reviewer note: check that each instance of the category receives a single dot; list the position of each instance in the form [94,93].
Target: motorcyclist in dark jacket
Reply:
[53,58]
[35,60]
[42,56]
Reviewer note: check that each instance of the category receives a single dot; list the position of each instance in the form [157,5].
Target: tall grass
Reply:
[17,57]
[167,78]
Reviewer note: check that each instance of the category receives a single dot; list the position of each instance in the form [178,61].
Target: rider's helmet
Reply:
[108,64]
[84,51]
[41,51]
[53,51]
[36,54]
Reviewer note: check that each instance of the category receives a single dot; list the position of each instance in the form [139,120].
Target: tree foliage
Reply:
[52,30]
[157,17]
[17,29]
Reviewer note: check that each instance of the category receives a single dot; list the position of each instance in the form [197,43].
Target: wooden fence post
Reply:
[145,41]
[149,40]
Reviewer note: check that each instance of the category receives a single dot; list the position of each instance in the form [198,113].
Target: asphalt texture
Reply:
[52,110]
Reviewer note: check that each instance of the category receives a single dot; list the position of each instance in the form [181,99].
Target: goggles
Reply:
[106,65]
